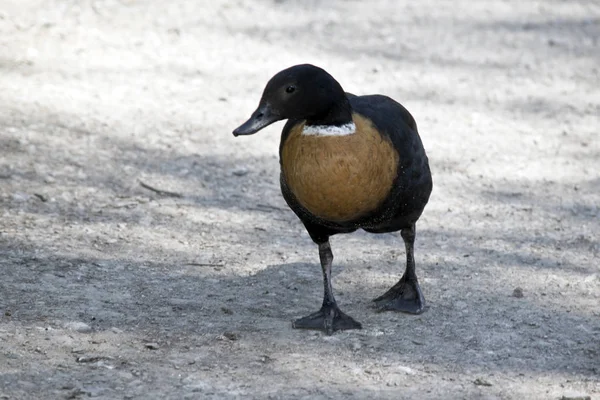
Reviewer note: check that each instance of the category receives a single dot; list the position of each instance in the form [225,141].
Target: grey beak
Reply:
[262,117]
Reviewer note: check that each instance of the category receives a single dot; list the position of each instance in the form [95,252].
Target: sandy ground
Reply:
[111,290]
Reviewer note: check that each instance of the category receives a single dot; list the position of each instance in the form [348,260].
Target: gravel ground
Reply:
[113,290]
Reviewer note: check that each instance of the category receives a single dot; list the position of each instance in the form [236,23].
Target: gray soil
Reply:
[112,290]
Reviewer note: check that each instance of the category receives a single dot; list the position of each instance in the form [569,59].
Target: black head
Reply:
[302,92]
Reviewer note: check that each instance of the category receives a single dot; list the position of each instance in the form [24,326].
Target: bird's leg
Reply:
[329,318]
[406,295]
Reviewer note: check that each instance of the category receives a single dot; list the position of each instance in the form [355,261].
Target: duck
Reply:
[347,162]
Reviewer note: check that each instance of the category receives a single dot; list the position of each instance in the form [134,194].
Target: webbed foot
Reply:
[328,319]
[404,296]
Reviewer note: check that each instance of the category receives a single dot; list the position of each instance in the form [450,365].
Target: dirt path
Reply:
[111,290]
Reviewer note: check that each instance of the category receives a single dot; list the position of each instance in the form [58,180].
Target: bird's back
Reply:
[412,187]
[389,117]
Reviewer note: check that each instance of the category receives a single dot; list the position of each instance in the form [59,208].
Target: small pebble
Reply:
[355,346]
[481,382]
[197,387]
[151,346]
[80,327]
[240,171]
[265,359]
[576,397]
[20,196]
[231,335]
[93,358]
[406,370]
[42,197]
[461,305]
[518,293]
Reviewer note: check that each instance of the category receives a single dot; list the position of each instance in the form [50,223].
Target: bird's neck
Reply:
[336,121]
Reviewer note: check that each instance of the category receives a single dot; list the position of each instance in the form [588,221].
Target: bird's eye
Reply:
[290,89]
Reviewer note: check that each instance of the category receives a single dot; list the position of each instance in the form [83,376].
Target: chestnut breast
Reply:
[340,178]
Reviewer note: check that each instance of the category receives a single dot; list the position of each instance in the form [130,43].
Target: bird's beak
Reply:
[262,117]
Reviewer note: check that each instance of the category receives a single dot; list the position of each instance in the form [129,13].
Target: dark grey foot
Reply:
[405,296]
[328,319]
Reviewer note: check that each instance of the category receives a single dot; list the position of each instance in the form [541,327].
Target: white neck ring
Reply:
[329,130]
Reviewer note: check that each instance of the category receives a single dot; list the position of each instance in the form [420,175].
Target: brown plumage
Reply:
[340,178]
